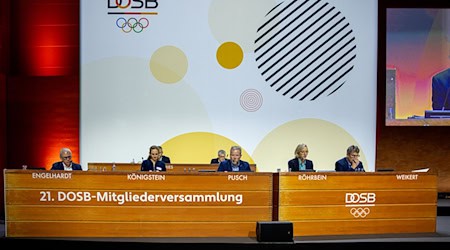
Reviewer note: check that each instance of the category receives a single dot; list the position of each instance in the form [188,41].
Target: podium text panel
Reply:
[339,203]
[119,204]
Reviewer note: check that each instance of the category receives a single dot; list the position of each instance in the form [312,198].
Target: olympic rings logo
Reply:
[132,24]
[359,212]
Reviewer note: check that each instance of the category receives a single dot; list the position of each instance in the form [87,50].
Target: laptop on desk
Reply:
[385,170]
[437,113]
[206,170]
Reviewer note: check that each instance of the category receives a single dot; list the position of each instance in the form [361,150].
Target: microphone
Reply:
[446,97]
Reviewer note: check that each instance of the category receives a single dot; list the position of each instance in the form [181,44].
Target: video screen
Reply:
[417,66]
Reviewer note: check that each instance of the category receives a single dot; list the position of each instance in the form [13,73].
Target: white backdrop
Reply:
[197,78]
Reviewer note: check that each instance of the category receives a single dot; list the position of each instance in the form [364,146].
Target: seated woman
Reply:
[153,163]
[300,163]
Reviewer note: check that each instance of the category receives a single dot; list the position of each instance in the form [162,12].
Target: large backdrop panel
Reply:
[199,76]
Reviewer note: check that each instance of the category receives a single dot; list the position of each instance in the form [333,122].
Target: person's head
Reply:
[301,151]
[352,152]
[154,153]
[160,151]
[235,154]
[221,154]
[66,156]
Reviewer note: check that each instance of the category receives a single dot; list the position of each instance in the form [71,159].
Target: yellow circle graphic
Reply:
[229,55]
[168,64]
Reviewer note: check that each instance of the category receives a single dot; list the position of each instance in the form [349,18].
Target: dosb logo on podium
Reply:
[360,203]
[360,198]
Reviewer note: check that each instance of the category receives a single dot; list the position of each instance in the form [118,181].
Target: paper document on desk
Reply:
[421,170]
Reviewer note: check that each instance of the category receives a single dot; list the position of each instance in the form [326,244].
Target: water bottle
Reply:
[113,167]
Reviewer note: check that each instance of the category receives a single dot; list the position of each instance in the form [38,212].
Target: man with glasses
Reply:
[221,156]
[351,161]
[66,161]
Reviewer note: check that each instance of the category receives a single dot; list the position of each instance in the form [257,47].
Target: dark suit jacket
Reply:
[147,165]
[215,161]
[440,86]
[342,165]
[59,166]
[294,165]
[165,159]
[226,166]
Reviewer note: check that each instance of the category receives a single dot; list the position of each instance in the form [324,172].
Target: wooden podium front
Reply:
[141,204]
[358,202]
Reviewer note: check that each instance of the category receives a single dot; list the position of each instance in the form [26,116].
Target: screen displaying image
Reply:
[417,66]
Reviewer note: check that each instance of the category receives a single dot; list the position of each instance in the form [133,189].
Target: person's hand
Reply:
[355,163]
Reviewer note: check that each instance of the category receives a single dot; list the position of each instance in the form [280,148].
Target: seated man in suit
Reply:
[300,163]
[221,154]
[351,161]
[440,86]
[234,164]
[66,163]
[162,157]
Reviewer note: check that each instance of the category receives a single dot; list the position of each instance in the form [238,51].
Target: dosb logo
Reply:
[137,9]
[134,4]
[360,198]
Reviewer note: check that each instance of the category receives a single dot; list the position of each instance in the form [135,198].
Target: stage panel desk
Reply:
[358,203]
[170,167]
[41,203]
